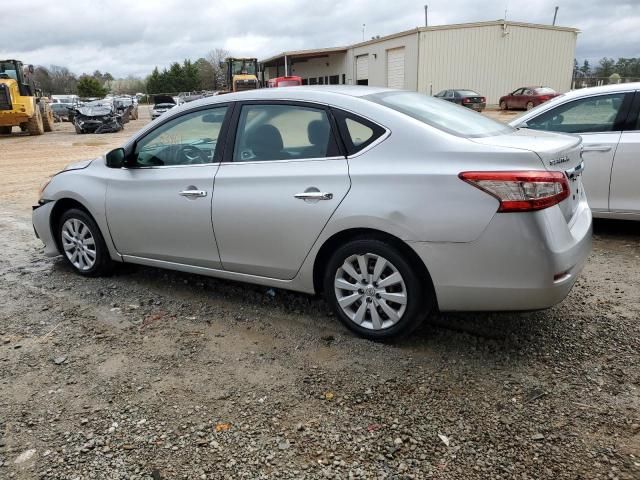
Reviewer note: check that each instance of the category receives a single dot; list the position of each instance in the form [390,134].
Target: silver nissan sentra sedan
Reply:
[389,202]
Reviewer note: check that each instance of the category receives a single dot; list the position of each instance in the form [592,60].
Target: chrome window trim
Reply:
[286,160]
[171,166]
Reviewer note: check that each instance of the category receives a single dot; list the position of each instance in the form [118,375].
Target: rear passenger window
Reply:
[282,132]
[357,133]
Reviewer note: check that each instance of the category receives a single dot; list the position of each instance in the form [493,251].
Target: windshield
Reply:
[243,67]
[545,90]
[441,114]
[8,70]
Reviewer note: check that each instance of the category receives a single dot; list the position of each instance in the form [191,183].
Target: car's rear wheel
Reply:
[375,291]
[82,244]
[530,105]
[503,105]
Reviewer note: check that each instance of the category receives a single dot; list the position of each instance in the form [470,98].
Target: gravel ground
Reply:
[151,374]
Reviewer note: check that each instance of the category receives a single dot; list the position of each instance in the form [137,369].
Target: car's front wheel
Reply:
[82,243]
[375,291]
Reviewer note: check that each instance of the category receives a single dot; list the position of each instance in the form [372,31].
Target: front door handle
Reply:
[314,196]
[596,148]
[193,193]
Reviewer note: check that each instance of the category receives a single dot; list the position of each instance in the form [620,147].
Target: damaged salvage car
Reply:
[161,103]
[97,117]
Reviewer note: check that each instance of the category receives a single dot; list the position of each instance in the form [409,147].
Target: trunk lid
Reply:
[557,152]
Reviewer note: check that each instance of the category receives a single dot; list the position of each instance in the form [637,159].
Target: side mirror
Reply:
[115,158]
[523,125]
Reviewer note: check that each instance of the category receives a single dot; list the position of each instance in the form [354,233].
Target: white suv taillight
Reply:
[524,191]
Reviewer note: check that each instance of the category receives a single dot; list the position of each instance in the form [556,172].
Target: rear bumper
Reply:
[475,106]
[41,224]
[522,261]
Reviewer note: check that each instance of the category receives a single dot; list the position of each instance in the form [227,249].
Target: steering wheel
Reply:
[193,155]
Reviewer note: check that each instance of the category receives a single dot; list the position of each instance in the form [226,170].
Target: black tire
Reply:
[47,118]
[23,127]
[102,264]
[419,294]
[503,105]
[35,125]
[5,130]
[530,105]
[79,131]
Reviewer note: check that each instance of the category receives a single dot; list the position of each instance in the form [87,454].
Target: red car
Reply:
[290,81]
[527,97]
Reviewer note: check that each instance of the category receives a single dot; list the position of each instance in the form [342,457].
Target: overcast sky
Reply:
[132,36]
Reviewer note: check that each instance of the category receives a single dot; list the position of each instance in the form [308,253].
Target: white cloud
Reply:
[131,37]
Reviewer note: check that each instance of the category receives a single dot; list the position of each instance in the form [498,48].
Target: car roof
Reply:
[302,92]
[618,87]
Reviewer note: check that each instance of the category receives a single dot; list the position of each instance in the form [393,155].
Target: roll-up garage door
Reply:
[362,68]
[395,68]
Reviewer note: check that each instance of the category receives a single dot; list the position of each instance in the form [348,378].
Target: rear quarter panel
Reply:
[408,184]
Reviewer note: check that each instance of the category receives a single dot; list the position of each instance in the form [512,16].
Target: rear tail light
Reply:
[483,100]
[524,191]
[466,100]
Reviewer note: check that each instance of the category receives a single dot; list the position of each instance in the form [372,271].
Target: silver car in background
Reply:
[608,120]
[391,203]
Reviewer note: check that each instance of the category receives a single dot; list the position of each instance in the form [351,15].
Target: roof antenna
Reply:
[555,15]
[504,21]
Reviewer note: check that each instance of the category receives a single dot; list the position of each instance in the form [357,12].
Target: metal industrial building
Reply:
[493,58]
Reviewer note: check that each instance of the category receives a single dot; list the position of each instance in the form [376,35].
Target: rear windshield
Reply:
[544,90]
[440,114]
[468,93]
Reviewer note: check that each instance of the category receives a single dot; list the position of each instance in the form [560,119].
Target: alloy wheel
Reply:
[78,244]
[370,291]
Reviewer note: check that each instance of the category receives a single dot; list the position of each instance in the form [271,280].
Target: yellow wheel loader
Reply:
[240,74]
[21,103]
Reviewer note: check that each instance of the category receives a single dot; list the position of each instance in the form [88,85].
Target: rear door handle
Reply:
[193,193]
[596,148]
[314,196]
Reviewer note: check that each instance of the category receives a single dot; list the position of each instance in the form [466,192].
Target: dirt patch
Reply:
[155,374]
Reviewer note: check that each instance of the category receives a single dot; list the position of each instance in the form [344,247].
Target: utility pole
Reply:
[426,15]
[363,27]
[555,15]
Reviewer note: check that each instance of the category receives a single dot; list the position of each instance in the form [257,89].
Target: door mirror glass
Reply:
[115,158]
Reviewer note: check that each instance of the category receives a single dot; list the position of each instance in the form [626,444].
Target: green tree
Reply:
[206,74]
[189,76]
[606,67]
[90,87]
[154,82]
[586,68]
